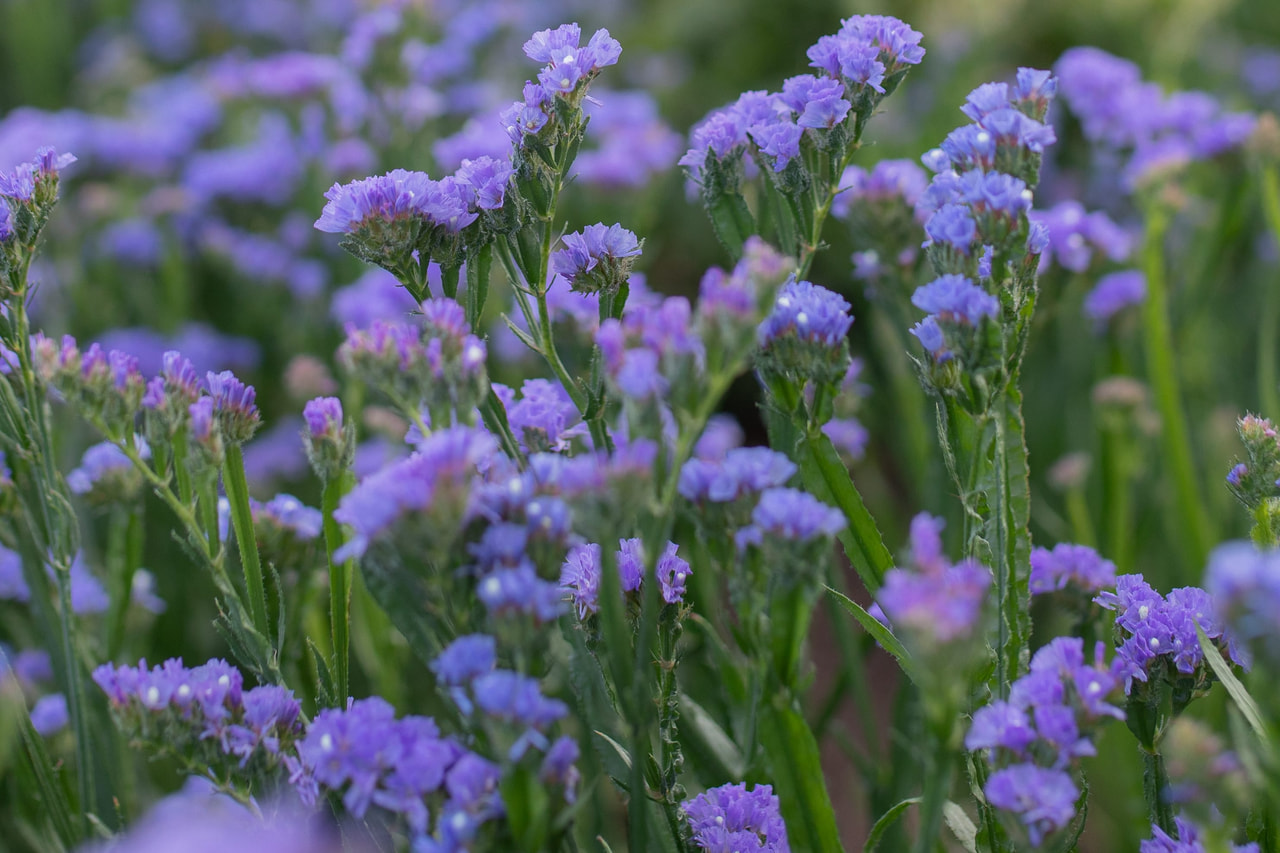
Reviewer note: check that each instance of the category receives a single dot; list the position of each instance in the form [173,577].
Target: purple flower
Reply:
[323,416]
[1187,841]
[1078,565]
[956,299]
[13,586]
[486,179]
[809,313]
[596,258]
[1074,235]
[1044,799]
[102,462]
[819,100]
[6,223]
[929,333]
[731,817]
[969,147]
[1001,725]
[289,513]
[394,196]
[778,139]
[517,699]
[1113,293]
[580,578]
[544,417]
[49,714]
[520,590]
[888,181]
[953,225]
[741,472]
[847,435]
[465,659]
[791,515]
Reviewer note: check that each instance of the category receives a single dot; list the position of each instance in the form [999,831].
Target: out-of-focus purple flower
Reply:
[1043,798]
[465,659]
[323,416]
[1077,565]
[49,714]
[742,471]
[544,417]
[731,817]
[634,143]
[1075,235]
[288,512]
[102,462]
[13,586]
[722,434]
[1113,293]
[790,515]
[888,180]
[267,170]
[517,699]
[1187,840]
[1244,583]
[376,295]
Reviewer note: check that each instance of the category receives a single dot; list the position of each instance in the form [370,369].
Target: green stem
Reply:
[340,578]
[1155,790]
[937,790]
[1115,483]
[75,697]
[126,546]
[1269,319]
[237,488]
[1193,520]
[810,249]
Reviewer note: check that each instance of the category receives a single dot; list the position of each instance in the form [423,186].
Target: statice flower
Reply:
[290,514]
[1162,134]
[804,335]
[955,299]
[1043,798]
[597,258]
[1187,841]
[1156,635]
[516,698]
[234,405]
[889,181]
[742,472]
[1244,584]
[433,483]
[1078,566]
[204,708]
[49,714]
[465,659]
[580,574]
[634,144]
[1075,236]
[544,418]
[106,474]
[374,759]
[13,587]
[936,603]
[733,817]
[790,515]
[1113,293]
[779,140]
[1035,737]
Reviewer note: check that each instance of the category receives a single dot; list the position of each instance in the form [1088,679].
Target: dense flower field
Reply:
[598,546]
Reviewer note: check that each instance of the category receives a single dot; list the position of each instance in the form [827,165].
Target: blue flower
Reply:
[956,299]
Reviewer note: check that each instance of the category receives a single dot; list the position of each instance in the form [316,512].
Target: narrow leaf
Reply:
[878,631]
[826,476]
[1239,695]
[795,765]
[887,820]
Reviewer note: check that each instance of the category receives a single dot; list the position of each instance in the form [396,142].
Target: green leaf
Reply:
[1222,669]
[527,806]
[616,763]
[795,765]
[327,691]
[878,631]
[826,476]
[716,751]
[887,820]
[399,592]
[961,826]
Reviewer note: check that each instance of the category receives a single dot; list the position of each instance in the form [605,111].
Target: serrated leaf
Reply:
[878,631]
[885,821]
[1239,695]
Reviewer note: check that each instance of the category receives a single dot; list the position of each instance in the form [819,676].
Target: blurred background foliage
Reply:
[264,304]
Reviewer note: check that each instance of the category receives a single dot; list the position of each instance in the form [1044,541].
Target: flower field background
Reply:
[921,368]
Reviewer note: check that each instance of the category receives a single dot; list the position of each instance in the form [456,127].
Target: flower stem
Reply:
[233,481]
[1269,319]
[1155,789]
[340,578]
[1193,520]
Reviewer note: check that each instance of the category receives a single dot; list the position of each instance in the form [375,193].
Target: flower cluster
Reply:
[731,817]
[880,207]
[202,711]
[1162,134]
[436,364]
[1076,566]
[28,194]
[596,259]
[580,574]
[1037,735]
[803,338]
[1244,584]
[1256,479]
[569,70]
[936,605]
[1156,635]
[1077,237]
[106,475]
[979,234]
[1187,841]
[1112,294]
